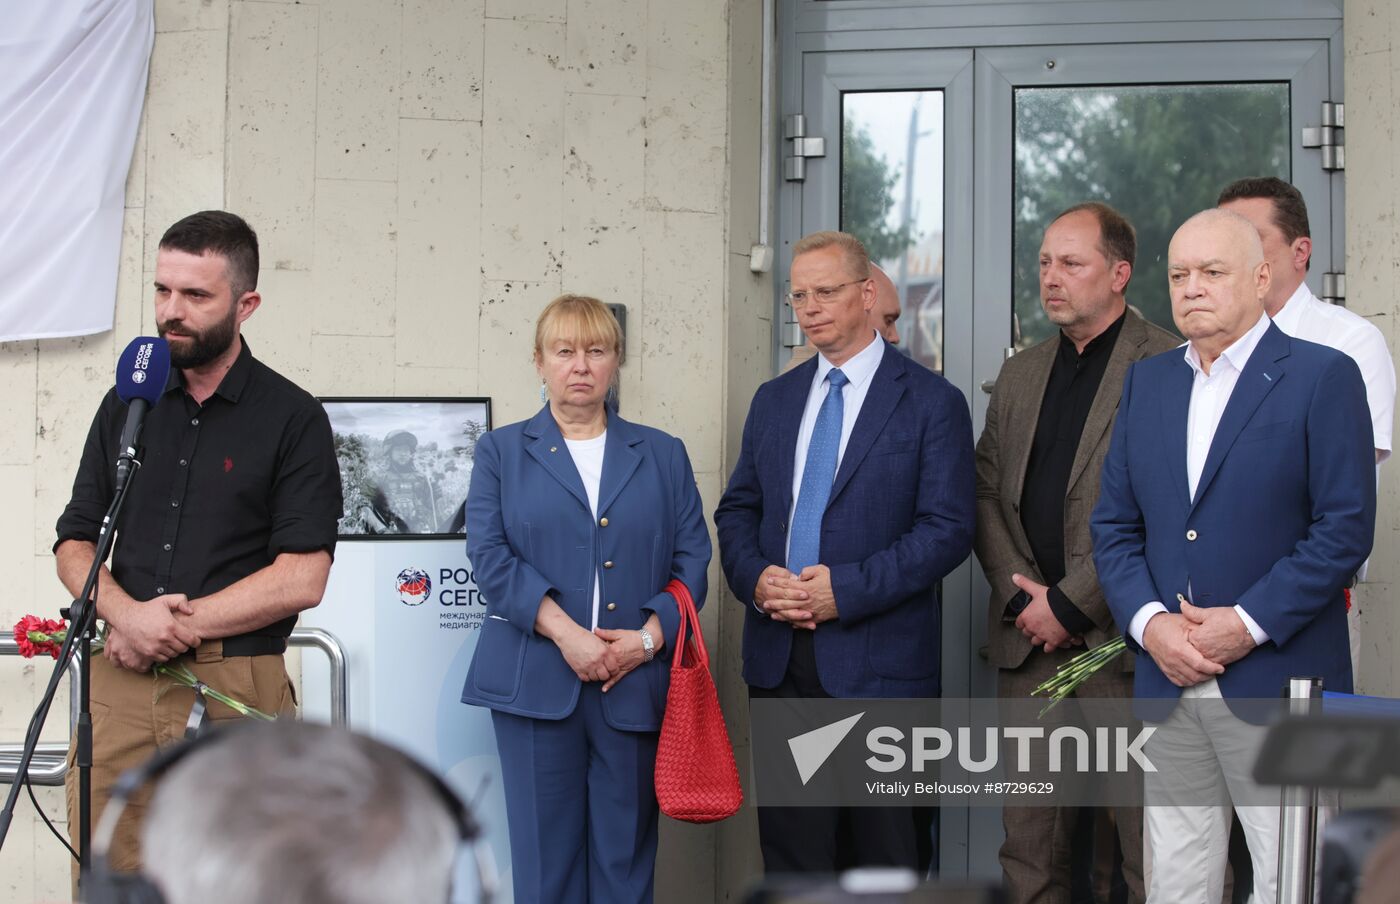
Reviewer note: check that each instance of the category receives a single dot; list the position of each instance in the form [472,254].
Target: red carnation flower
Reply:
[36,636]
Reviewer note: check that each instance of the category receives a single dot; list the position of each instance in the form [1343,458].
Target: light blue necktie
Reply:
[805,538]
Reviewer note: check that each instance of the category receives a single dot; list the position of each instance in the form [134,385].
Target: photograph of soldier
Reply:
[410,500]
[405,464]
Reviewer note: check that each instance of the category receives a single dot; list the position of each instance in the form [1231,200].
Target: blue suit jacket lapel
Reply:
[620,459]
[886,389]
[1176,406]
[546,446]
[1261,374]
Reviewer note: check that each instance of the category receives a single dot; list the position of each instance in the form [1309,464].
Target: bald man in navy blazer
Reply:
[1238,498]
[840,519]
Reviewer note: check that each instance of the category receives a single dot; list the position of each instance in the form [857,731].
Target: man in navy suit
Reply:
[852,498]
[1238,498]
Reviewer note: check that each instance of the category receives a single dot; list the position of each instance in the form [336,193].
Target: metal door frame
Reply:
[1001,70]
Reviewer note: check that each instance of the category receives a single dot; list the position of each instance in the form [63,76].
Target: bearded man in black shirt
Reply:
[227,532]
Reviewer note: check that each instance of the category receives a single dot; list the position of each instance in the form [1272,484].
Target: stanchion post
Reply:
[1297,825]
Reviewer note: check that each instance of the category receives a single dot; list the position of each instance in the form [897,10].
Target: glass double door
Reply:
[950,163]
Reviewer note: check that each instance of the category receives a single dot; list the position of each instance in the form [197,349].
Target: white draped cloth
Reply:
[72,81]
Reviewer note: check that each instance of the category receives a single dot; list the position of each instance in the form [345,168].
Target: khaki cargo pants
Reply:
[134,714]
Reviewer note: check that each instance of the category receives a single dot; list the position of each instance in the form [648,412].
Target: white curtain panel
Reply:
[72,81]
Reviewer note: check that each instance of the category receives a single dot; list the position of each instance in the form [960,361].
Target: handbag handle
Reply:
[691,619]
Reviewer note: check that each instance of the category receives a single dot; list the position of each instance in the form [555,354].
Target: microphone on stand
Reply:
[142,371]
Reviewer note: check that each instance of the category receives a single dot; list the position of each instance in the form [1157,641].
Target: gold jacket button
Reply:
[608,564]
[602,522]
[1190,535]
[612,606]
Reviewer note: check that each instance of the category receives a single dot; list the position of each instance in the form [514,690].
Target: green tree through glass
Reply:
[867,194]
[1156,153]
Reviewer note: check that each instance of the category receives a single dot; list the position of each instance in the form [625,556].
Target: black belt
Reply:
[255,645]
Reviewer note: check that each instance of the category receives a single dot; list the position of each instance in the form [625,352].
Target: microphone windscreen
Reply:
[143,369]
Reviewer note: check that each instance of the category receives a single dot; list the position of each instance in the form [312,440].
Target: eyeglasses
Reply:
[823,295]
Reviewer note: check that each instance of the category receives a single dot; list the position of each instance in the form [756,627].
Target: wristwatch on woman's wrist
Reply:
[648,645]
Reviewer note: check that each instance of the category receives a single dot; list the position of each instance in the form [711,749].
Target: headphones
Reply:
[100,885]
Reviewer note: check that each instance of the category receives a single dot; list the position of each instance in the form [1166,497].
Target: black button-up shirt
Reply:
[1074,381]
[223,487]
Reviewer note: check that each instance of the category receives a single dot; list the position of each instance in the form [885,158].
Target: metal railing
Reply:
[327,643]
[1297,827]
[51,759]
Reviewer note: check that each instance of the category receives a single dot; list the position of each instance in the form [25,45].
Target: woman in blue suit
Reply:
[576,521]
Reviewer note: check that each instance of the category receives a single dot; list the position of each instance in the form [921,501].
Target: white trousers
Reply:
[1354,635]
[1187,843]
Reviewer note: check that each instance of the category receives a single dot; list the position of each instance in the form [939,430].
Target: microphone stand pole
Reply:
[82,625]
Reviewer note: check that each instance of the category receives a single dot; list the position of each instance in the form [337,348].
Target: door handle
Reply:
[1006,355]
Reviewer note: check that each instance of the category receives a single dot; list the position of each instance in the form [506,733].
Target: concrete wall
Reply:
[424,175]
[1373,272]
[748,330]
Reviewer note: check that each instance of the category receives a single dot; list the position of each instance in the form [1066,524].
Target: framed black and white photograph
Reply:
[405,464]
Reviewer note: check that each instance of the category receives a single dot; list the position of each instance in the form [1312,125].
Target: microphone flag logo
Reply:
[142,370]
[413,585]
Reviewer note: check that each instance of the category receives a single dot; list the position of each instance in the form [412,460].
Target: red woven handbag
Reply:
[696,779]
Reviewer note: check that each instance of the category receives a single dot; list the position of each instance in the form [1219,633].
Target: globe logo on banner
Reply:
[138,376]
[413,585]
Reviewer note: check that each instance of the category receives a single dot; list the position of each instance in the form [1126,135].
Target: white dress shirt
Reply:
[1306,317]
[1210,393]
[588,460]
[859,370]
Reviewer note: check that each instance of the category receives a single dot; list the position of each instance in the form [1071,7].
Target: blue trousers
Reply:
[581,804]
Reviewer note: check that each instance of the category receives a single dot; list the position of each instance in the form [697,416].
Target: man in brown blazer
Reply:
[1038,462]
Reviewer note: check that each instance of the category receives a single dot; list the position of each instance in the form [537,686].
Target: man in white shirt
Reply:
[1226,559]
[1277,211]
[852,498]
[883,318]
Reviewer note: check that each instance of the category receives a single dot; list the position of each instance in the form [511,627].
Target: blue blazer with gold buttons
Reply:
[530,532]
[1283,515]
